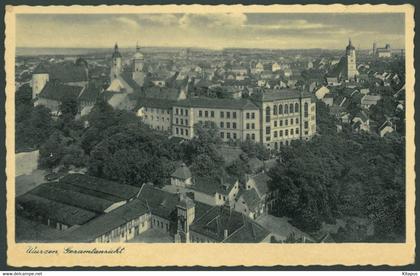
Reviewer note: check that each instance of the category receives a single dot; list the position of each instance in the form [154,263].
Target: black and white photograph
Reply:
[211,127]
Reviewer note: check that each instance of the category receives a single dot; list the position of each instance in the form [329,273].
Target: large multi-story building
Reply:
[275,119]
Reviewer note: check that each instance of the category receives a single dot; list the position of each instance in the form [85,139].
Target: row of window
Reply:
[157,110]
[250,115]
[182,121]
[250,126]
[250,136]
[286,122]
[157,118]
[228,135]
[228,125]
[222,114]
[181,111]
[288,109]
[181,131]
[280,132]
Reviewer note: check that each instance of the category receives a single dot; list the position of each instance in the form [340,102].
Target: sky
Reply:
[211,30]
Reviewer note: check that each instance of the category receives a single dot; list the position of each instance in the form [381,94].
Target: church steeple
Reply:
[116,64]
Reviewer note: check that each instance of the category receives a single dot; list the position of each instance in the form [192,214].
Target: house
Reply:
[249,203]
[259,183]
[221,224]
[385,128]
[332,81]
[182,177]
[328,100]
[368,100]
[360,122]
[213,191]
[321,92]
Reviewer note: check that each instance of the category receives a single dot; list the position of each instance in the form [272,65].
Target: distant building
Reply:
[350,61]
[368,100]
[384,52]
[182,177]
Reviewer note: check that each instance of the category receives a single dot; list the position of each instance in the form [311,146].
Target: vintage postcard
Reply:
[184,135]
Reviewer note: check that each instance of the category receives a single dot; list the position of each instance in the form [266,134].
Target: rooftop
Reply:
[218,103]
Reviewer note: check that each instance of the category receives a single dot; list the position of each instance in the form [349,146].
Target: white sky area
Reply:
[211,30]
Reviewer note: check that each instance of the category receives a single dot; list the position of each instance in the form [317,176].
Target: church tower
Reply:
[116,65]
[351,69]
[186,216]
[138,67]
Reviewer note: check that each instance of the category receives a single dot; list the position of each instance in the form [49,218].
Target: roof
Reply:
[54,191]
[218,103]
[370,99]
[90,93]
[183,172]
[251,198]
[54,90]
[60,212]
[64,72]
[128,78]
[240,229]
[166,93]
[155,103]
[100,187]
[261,183]
[161,203]
[211,185]
[107,222]
[230,153]
[283,94]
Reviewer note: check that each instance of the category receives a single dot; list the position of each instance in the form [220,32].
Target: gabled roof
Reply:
[211,185]
[100,187]
[240,229]
[161,203]
[251,198]
[54,90]
[64,72]
[107,222]
[261,183]
[282,94]
[163,93]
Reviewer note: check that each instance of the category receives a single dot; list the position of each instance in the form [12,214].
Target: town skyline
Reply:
[222,30]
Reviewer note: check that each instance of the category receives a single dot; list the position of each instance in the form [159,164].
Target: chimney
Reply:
[225,234]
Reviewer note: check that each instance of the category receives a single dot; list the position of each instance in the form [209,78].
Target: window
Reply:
[296,107]
[222,124]
[247,126]
[253,125]
[176,130]
[297,131]
[286,109]
[286,132]
[227,124]
[176,111]
[253,136]
[222,135]
[267,114]
[182,121]
[291,121]
[186,112]
[234,136]
[275,123]
[253,115]
[206,113]
[286,122]
[182,131]
[228,114]
[247,136]
[281,133]
[200,113]
[280,109]
[291,131]
[212,114]
[176,120]
[234,115]
[228,135]
[305,110]
[297,120]
[182,112]
[222,114]
[275,110]
[186,122]
[281,122]
[267,138]
[291,108]
[247,115]
[275,134]
[306,125]
[267,130]
[186,132]
[234,125]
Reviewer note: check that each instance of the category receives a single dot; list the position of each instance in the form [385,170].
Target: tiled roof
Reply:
[161,203]
[155,103]
[64,72]
[183,172]
[211,186]
[57,211]
[161,93]
[90,93]
[107,222]
[218,103]
[54,90]
[251,198]
[100,186]
[240,229]
[283,94]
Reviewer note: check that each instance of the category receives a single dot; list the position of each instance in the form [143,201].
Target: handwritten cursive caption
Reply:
[72,250]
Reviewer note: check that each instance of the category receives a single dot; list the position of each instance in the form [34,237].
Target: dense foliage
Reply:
[343,174]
